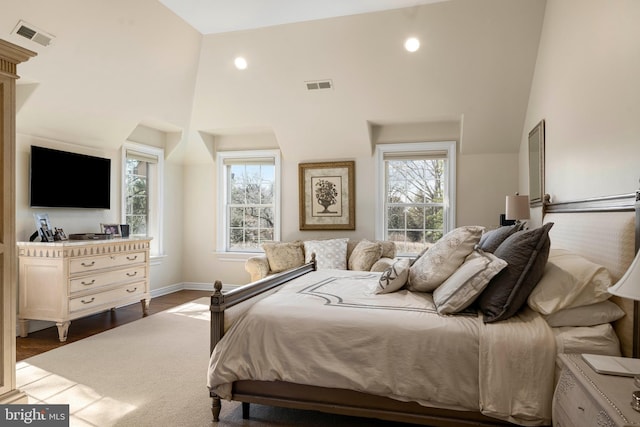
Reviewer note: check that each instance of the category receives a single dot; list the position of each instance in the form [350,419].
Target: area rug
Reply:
[151,372]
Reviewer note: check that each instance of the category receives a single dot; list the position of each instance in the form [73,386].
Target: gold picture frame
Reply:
[327,195]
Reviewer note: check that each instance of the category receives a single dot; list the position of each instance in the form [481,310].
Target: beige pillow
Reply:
[569,280]
[329,253]
[364,255]
[388,249]
[443,258]
[394,277]
[466,283]
[586,315]
[284,255]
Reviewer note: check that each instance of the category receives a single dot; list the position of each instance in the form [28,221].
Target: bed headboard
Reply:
[605,230]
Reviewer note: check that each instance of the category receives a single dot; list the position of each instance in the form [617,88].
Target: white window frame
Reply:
[156,194]
[222,229]
[426,147]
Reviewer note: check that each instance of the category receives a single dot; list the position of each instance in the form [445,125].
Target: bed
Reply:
[462,371]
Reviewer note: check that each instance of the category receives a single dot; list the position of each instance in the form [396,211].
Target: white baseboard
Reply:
[36,325]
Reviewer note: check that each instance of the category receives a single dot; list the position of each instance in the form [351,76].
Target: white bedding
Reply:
[332,330]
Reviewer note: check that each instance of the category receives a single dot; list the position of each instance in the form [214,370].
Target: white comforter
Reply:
[328,328]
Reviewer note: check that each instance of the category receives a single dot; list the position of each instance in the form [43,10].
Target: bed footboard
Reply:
[220,302]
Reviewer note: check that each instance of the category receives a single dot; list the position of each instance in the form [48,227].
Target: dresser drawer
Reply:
[94,281]
[574,406]
[85,264]
[87,302]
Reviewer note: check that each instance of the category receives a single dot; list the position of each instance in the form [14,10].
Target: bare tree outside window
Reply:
[137,197]
[415,202]
[250,205]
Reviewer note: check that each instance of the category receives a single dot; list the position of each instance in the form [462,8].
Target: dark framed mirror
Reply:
[536,164]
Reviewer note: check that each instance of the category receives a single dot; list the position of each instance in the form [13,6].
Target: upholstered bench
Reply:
[346,254]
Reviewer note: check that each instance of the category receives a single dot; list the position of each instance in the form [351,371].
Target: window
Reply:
[415,193]
[249,191]
[142,192]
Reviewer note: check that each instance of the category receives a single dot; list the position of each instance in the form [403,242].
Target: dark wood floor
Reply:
[47,339]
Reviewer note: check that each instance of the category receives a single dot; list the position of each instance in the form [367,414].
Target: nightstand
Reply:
[586,398]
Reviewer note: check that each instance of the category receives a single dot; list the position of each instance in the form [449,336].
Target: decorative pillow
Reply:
[526,253]
[490,240]
[388,249]
[284,255]
[422,252]
[329,253]
[394,277]
[569,280]
[466,283]
[364,255]
[443,258]
[586,315]
[382,264]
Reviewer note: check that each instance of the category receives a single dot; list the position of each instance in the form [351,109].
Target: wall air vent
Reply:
[319,84]
[32,33]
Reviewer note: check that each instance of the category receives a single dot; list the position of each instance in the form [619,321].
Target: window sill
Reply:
[236,256]
[156,259]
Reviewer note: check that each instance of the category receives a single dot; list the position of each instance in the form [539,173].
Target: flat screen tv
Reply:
[60,179]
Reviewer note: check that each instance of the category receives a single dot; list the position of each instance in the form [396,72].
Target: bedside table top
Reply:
[614,392]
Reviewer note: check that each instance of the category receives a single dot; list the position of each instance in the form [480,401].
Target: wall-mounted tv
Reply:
[61,179]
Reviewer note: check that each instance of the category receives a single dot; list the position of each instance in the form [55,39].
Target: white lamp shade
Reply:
[517,207]
[629,284]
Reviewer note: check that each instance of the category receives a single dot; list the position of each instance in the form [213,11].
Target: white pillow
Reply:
[394,277]
[586,315]
[569,280]
[329,253]
[443,258]
[467,282]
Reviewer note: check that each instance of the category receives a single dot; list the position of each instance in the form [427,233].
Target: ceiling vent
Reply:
[319,84]
[32,33]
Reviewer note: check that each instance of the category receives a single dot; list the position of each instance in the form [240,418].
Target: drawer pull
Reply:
[89,283]
[132,258]
[88,302]
[132,291]
[88,265]
[132,274]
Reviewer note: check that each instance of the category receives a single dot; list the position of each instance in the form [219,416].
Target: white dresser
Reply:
[585,398]
[62,281]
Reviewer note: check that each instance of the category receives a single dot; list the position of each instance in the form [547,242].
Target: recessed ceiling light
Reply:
[412,44]
[240,63]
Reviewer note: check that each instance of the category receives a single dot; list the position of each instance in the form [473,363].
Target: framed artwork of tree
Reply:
[327,195]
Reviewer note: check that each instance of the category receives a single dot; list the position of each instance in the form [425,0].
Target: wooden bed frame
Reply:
[347,402]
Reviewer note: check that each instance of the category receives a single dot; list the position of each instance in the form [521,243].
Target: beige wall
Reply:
[116,65]
[469,82]
[586,87]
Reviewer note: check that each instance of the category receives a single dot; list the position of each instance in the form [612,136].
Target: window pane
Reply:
[250,205]
[137,197]
[414,202]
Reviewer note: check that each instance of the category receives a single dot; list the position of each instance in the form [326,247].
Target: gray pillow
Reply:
[526,253]
[490,240]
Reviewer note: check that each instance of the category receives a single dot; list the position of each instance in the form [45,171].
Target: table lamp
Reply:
[517,208]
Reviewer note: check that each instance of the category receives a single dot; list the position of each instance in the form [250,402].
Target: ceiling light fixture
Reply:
[412,44]
[240,63]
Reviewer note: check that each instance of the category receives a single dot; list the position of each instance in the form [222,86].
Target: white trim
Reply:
[156,196]
[450,193]
[221,234]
